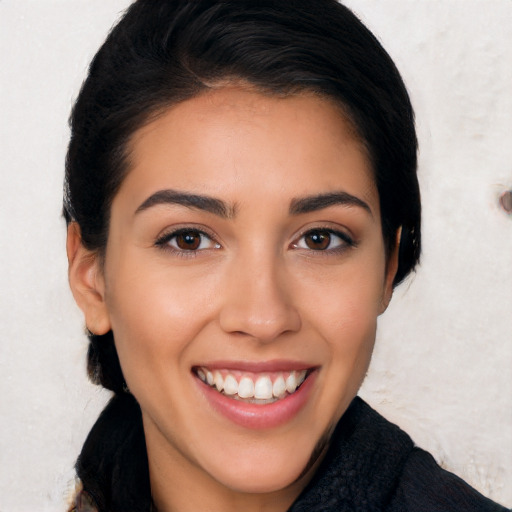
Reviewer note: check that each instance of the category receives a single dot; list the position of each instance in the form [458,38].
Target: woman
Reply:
[241,199]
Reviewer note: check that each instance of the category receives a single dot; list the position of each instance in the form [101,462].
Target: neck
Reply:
[213,501]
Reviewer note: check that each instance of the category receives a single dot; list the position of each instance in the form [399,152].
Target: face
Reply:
[245,254]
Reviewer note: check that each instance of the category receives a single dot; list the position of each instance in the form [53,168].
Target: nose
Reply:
[257,302]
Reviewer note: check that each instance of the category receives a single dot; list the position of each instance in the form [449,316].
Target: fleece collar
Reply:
[362,466]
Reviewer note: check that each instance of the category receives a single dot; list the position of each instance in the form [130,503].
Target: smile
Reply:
[255,388]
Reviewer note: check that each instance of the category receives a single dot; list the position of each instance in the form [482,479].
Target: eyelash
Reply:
[163,242]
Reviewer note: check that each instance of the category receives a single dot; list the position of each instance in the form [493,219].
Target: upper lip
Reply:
[275,365]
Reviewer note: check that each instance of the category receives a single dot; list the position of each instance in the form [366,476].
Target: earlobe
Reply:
[391,269]
[86,282]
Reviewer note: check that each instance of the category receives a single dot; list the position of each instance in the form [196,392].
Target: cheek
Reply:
[155,314]
[345,303]
[349,326]
[342,307]
[346,318]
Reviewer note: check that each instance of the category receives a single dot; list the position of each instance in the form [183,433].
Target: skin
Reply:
[254,290]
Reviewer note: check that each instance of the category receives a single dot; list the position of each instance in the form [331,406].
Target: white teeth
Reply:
[301,377]
[218,381]
[279,387]
[291,383]
[230,385]
[263,388]
[246,388]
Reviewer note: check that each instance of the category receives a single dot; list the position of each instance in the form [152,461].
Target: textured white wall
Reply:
[442,368]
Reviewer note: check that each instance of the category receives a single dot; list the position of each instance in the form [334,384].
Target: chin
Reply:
[268,469]
[264,479]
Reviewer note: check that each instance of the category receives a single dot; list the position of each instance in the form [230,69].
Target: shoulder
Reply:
[420,484]
[373,466]
[424,485]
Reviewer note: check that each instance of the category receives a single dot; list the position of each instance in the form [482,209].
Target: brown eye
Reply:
[324,240]
[188,240]
[317,240]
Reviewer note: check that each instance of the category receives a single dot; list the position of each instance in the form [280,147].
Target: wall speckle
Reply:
[443,359]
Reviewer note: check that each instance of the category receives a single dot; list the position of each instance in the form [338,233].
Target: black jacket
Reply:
[373,466]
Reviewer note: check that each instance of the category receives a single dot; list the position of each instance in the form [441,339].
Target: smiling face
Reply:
[245,254]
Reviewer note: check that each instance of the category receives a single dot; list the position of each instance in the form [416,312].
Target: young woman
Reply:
[241,199]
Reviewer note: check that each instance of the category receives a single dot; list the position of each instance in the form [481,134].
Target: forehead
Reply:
[233,140]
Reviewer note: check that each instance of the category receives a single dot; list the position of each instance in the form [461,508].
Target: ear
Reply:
[87,282]
[391,269]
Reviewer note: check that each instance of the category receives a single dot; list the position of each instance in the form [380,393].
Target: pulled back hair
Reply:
[166,51]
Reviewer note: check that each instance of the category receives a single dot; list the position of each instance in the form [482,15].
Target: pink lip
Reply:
[276,365]
[256,416]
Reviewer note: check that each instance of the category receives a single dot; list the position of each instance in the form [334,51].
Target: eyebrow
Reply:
[218,207]
[320,201]
[195,201]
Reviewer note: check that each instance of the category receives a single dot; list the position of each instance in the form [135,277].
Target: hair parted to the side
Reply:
[165,51]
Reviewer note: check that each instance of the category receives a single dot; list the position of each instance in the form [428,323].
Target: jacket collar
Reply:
[362,466]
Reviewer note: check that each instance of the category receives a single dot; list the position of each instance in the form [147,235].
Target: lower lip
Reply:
[256,416]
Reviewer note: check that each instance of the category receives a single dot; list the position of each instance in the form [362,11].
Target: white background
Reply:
[442,367]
